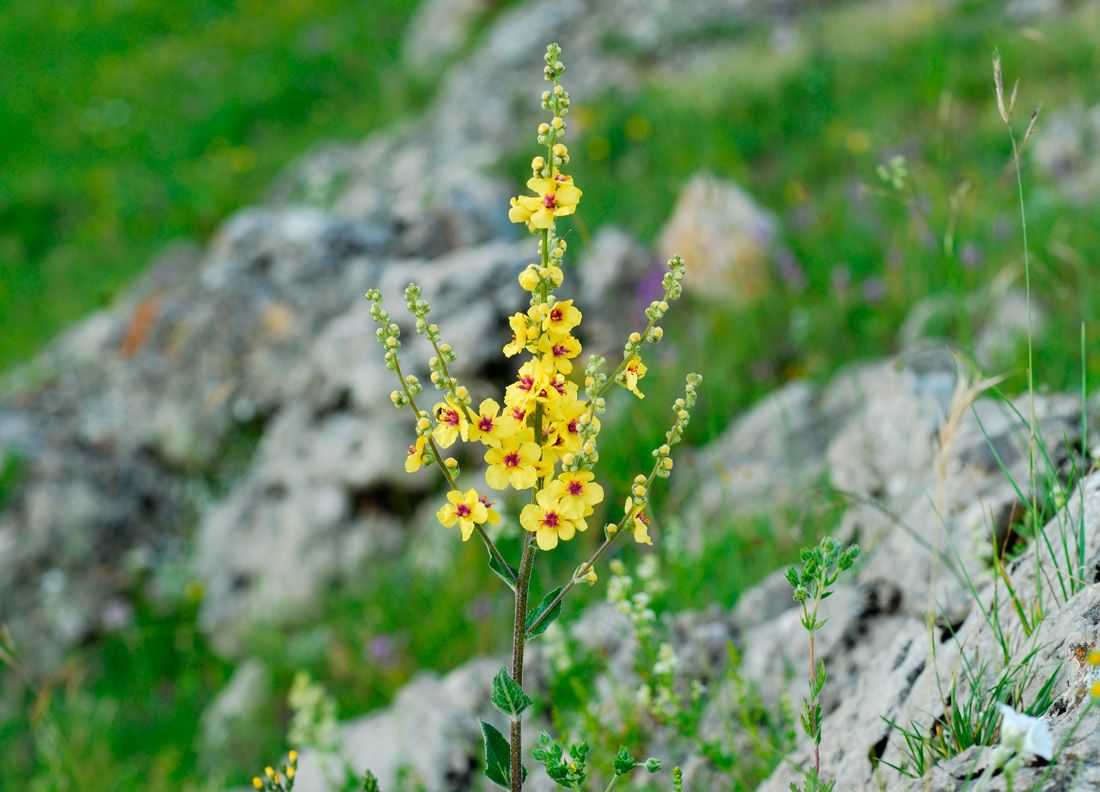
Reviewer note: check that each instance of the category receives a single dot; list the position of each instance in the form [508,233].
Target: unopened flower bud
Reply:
[635,338]
[433,361]
[461,392]
[611,529]
[568,459]
[585,419]
[589,449]
[558,90]
[451,463]
[560,150]
[666,463]
[682,415]
[544,128]
[639,491]
[444,348]
[538,163]
[546,96]
[395,396]
[664,450]
[557,122]
[639,479]
[423,424]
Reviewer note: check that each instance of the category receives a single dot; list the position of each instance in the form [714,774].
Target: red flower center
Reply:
[462,510]
[573,427]
[574,487]
[556,314]
[526,383]
[518,414]
[485,424]
[550,519]
[559,351]
[550,201]
[511,460]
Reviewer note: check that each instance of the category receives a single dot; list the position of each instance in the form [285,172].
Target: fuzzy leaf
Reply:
[508,573]
[508,696]
[539,609]
[498,757]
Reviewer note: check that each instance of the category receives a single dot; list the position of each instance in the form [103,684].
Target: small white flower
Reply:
[1025,734]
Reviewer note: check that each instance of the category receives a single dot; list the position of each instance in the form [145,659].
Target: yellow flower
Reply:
[415,459]
[580,493]
[545,519]
[634,371]
[522,333]
[531,381]
[488,427]
[588,577]
[465,509]
[557,353]
[512,463]
[556,197]
[561,319]
[450,424]
[494,516]
[639,523]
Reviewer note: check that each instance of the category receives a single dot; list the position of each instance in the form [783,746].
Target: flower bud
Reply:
[557,123]
[666,463]
[538,163]
[589,449]
[461,392]
[546,96]
[638,490]
[558,90]
[451,463]
[560,150]
[423,424]
[544,128]
[436,377]
[568,459]
[635,338]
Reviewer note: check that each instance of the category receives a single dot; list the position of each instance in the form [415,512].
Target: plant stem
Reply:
[519,639]
[813,705]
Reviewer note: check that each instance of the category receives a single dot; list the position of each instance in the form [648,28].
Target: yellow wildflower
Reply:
[634,371]
[465,509]
[639,524]
[522,333]
[512,463]
[561,319]
[488,427]
[545,519]
[450,424]
[580,493]
[557,353]
[556,197]
[415,459]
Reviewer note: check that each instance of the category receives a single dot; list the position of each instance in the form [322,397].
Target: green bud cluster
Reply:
[556,100]
[551,755]
[388,333]
[624,763]
[682,408]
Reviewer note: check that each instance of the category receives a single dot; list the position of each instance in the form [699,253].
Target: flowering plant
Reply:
[542,438]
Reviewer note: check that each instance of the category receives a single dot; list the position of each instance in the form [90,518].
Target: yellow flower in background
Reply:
[512,463]
[556,197]
[639,524]
[466,509]
[634,371]
[546,520]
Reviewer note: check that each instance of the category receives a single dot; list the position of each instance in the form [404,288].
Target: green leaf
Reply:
[498,757]
[539,609]
[508,696]
[506,572]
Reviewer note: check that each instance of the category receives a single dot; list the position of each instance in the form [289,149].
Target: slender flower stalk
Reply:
[542,436]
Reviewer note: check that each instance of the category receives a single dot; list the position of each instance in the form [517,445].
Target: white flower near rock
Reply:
[1024,734]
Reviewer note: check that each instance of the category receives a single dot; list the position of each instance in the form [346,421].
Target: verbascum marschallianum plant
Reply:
[543,435]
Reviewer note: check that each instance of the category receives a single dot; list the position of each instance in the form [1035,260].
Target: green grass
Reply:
[130,124]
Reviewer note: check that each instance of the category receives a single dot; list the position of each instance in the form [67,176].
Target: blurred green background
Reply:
[127,124]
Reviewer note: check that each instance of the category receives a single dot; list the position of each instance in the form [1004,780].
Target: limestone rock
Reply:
[725,238]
